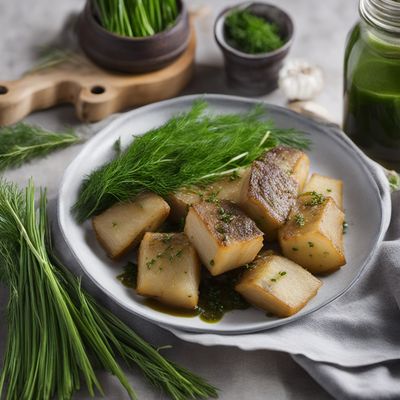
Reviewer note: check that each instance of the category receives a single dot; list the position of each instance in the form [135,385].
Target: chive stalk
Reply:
[137,18]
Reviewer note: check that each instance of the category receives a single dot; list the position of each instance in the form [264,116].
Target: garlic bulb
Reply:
[300,80]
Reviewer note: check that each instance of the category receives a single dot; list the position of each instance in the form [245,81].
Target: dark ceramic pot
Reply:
[134,55]
[255,74]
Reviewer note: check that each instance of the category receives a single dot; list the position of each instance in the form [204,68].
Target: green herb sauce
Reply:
[372,95]
[217,295]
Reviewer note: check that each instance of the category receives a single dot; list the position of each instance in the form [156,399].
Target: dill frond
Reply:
[22,142]
[191,148]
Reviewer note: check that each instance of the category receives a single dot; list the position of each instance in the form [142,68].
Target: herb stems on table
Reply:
[192,148]
[22,142]
[56,330]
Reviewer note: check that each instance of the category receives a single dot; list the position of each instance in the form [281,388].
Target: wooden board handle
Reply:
[95,93]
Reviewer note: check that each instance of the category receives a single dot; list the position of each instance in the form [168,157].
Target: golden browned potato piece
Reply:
[227,188]
[268,194]
[122,226]
[223,235]
[326,186]
[313,235]
[293,161]
[169,269]
[278,285]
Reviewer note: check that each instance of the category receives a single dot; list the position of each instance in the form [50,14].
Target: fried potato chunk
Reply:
[313,235]
[169,269]
[223,235]
[278,285]
[122,226]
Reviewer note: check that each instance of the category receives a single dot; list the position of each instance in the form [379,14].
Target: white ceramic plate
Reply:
[331,154]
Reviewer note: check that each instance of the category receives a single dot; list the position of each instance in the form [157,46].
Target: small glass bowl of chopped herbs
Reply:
[254,38]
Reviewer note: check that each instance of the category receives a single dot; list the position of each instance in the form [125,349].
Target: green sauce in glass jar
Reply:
[372,81]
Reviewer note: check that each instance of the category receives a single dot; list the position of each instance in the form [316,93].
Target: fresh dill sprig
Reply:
[56,331]
[191,148]
[251,34]
[22,142]
[137,18]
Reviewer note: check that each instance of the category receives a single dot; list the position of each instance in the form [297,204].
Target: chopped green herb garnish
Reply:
[329,190]
[394,180]
[316,198]
[278,276]
[310,244]
[295,249]
[299,219]
[220,229]
[150,263]
[225,216]
[212,263]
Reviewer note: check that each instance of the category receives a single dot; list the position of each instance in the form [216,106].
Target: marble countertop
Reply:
[321,28]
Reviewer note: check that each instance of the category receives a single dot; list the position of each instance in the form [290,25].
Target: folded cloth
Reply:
[352,346]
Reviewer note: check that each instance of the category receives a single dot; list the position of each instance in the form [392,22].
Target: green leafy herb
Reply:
[251,34]
[57,332]
[21,143]
[191,148]
[137,18]
[310,244]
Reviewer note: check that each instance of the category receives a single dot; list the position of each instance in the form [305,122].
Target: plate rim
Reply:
[331,129]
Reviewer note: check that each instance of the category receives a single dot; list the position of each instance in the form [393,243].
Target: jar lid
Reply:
[382,14]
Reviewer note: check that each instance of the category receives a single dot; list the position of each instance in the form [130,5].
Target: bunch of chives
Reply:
[137,18]
[57,332]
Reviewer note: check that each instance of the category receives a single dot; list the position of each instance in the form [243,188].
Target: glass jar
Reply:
[372,81]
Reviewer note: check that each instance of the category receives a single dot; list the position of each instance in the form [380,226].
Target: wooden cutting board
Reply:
[95,92]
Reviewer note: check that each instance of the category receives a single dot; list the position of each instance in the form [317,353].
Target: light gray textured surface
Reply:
[321,27]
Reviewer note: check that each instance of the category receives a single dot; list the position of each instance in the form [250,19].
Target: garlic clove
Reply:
[300,80]
[311,110]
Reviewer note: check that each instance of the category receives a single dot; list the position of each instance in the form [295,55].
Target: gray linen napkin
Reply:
[352,346]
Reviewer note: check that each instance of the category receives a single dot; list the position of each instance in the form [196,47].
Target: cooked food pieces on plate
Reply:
[293,161]
[223,235]
[122,226]
[313,235]
[169,269]
[233,185]
[278,285]
[326,186]
[268,194]
[226,188]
